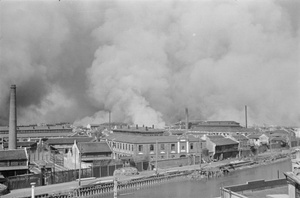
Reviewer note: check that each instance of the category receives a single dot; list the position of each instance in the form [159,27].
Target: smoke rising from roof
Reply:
[146,61]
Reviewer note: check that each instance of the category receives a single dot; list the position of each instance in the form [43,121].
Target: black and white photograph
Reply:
[150,98]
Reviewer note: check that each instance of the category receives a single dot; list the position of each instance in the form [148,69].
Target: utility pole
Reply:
[79,177]
[115,184]
[246,121]
[156,168]
[200,143]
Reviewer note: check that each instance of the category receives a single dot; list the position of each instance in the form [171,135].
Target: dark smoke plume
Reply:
[146,61]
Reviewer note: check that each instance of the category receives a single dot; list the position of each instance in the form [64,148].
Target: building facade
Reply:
[154,147]
[13,162]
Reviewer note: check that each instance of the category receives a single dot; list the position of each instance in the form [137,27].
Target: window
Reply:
[140,148]
[151,147]
[191,146]
[162,147]
[172,147]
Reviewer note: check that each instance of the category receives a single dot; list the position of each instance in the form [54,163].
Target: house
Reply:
[153,147]
[278,142]
[244,144]
[64,144]
[13,162]
[85,153]
[258,139]
[222,148]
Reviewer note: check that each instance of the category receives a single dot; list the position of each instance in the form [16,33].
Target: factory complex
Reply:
[45,149]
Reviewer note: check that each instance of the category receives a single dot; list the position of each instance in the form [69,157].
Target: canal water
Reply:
[209,188]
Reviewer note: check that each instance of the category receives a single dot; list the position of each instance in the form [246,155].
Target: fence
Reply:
[45,178]
[103,171]
[54,177]
[225,193]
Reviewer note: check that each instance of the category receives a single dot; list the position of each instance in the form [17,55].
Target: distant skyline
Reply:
[146,61]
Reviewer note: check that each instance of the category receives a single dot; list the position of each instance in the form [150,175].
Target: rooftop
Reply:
[139,130]
[254,136]
[136,139]
[16,154]
[93,147]
[223,141]
[21,144]
[36,128]
[240,137]
[67,140]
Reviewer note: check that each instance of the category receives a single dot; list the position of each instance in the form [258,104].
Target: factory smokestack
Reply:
[109,120]
[246,116]
[186,119]
[12,141]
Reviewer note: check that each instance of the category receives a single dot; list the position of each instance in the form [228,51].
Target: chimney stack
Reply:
[186,119]
[12,141]
[109,120]
[246,117]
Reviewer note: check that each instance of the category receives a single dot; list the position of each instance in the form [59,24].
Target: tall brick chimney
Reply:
[186,119]
[12,140]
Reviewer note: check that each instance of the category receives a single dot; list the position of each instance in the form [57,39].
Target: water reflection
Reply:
[209,188]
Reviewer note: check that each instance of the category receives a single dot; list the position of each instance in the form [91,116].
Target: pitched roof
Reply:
[139,130]
[221,129]
[254,136]
[240,137]
[223,141]
[67,140]
[278,139]
[21,144]
[93,147]
[39,135]
[139,139]
[16,154]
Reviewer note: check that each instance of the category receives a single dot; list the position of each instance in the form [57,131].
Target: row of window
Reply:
[13,163]
[162,146]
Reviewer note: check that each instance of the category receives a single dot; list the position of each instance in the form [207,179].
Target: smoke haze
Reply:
[145,61]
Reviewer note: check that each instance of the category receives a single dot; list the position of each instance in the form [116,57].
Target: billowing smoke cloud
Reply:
[145,61]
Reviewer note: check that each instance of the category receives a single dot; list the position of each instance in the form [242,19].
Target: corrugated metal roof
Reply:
[254,136]
[67,140]
[223,141]
[21,144]
[16,154]
[137,139]
[240,137]
[93,147]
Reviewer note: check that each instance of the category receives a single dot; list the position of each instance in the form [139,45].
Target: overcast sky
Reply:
[146,61]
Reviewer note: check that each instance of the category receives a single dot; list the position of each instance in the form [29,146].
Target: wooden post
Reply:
[156,168]
[79,177]
[32,189]
[200,142]
[115,185]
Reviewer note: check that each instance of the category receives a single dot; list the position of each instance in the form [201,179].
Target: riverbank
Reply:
[143,179]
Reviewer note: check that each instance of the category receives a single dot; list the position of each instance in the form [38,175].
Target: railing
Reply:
[225,193]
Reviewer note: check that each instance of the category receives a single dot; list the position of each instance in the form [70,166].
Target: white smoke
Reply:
[146,61]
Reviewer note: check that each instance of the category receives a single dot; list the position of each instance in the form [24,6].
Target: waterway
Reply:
[209,188]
